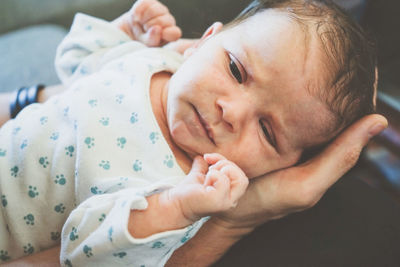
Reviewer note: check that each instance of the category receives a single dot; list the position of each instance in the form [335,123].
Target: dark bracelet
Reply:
[24,97]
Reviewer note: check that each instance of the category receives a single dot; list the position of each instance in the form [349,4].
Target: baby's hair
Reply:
[351,55]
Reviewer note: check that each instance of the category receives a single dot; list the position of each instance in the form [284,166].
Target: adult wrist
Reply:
[24,97]
[229,230]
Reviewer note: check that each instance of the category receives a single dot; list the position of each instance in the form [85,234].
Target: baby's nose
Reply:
[232,112]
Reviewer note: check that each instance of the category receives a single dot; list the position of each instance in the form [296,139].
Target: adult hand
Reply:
[277,194]
[300,187]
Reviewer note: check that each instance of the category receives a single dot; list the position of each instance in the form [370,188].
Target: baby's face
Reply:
[244,93]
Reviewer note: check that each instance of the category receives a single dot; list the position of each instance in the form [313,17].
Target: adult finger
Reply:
[342,154]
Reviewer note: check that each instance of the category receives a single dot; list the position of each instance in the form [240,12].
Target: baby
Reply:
[146,143]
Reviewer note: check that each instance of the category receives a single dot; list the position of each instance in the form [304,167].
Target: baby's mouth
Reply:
[205,125]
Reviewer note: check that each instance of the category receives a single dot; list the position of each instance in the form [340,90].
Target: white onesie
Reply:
[81,161]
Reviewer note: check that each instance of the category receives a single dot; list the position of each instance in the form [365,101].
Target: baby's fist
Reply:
[150,22]
[225,181]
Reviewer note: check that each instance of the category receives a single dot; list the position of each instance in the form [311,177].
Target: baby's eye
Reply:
[235,70]
[267,133]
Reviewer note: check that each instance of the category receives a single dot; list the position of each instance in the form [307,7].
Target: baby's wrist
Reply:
[163,213]
[177,207]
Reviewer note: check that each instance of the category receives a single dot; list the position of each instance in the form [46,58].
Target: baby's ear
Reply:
[212,30]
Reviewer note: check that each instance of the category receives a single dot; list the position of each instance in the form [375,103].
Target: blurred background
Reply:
[30,31]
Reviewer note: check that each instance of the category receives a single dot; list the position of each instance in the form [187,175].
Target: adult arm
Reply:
[46,258]
[43,95]
[278,194]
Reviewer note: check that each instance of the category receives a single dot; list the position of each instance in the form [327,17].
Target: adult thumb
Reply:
[341,155]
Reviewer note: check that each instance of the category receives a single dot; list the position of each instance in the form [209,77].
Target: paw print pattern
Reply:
[29,219]
[102,217]
[134,117]
[4,255]
[32,191]
[3,152]
[43,120]
[104,121]
[158,244]
[24,144]
[68,263]
[14,171]
[105,164]
[69,150]
[87,250]
[95,190]
[66,110]
[154,137]
[169,162]
[186,237]
[89,141]
[84,70]
[120,254]
[16,130]
[93,103]
[119,98]
[137,165]
[73,235]
[60,208]
[110,233]
[54,136]
[44,162]
[4,200]
[60,179]
[55,235]
[28,249]
[100,43]
[121,141]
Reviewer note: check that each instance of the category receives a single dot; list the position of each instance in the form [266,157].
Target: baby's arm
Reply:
[205,191]
[139,225]
[149,22]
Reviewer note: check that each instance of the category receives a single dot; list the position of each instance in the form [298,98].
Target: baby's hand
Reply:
[149,22]
[210,190]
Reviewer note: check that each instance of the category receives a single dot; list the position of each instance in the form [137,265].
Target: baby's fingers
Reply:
[213,158]
[166,20]
[154,10]
[171,34]
[153,36]
[218,184]
[238,181]
[143,6]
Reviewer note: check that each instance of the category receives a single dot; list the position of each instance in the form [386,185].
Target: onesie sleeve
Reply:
[90,43]
[96,232]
